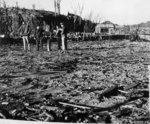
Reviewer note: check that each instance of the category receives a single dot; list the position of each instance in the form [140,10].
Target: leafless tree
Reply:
[88,27]
[57,6]
[33,7]
[17,5]
[0,3]
[90,16]
[78,10]
[75,9]
[87,24]
[97,18]
[4,4]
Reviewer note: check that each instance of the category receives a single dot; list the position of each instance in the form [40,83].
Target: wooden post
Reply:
[149,84]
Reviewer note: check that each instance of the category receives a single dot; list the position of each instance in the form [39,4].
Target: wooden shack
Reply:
[106,27]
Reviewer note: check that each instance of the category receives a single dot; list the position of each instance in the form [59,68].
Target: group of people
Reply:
[44,32]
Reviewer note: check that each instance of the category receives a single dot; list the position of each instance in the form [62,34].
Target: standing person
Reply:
[47,35]
[58,35]
[25,31]
[39,37]
[137,35]
[63,36]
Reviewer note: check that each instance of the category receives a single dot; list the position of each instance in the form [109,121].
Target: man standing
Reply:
[58,35]
[47,35]
[25,31]
[63,36]
[39,37]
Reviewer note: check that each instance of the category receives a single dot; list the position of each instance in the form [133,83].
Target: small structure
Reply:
[106,27]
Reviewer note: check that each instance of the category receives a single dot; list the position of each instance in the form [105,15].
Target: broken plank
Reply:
[124,92]
[92,89]
[77,105]
[74,105]
[32,75]
[109,92]
[108,108]
[133,85]
[49,108]
[141,90]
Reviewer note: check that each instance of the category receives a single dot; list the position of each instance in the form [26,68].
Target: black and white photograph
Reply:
[74,61]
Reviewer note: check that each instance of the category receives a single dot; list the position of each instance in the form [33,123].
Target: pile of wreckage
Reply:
[91,83]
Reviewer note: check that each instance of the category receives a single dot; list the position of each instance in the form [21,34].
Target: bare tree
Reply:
[97,18]
[77,16]
[90,16]
[0,3]
[57,6]
[80,8]
[4,4]
[33,7]
[16,4]
[88,26]
[74,9]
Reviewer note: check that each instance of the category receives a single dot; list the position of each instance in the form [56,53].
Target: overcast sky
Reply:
[118,11]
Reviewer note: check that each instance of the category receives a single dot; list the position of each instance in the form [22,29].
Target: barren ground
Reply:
[78,75]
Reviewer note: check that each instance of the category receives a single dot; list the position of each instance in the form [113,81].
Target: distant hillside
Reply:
[144,25]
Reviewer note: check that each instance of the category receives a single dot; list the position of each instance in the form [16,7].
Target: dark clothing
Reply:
[58,34]
[39,38]
[48,35]
[39,32]
[59,42]
[48,38]
[39,41]
[64,31]
[66,45]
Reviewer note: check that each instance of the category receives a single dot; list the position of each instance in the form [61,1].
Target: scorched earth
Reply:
[93,81]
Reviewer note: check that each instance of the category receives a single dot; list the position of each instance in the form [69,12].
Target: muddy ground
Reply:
[34,82]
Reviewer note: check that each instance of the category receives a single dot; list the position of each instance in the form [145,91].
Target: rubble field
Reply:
[93,81]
